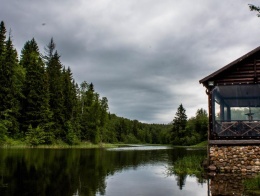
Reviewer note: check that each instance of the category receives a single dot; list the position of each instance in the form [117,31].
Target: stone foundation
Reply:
[235,159]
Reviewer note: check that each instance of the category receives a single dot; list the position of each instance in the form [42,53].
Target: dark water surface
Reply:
[128,171]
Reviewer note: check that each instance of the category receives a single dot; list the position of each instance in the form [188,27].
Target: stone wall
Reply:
[235,159]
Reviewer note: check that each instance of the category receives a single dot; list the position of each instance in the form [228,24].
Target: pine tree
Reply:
[179,124]
[35,110]
[104,119]
[2,38]
[69,94]
[10,84]
[94,120]
[56,102]
[2,57]
[71,112]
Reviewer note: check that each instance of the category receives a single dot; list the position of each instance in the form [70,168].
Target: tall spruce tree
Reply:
[10,83]
[71,112]
[104,119]
[179,124]
[2,37]
[2,61]
[69,94]
[35,105]
[55,79]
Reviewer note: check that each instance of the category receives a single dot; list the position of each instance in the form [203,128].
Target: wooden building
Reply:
[234,101]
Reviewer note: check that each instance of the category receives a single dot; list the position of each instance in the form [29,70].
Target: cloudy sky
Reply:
[145,56]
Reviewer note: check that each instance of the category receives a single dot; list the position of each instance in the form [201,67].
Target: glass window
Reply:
[236,102]
[236,111]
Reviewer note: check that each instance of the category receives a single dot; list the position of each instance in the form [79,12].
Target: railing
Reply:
[236,130]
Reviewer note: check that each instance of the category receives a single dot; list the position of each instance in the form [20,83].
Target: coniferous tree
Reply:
[83,109]
[2,58]
[10,83]
[35,110]
[103,120]
[69,94]
[94,120]
[179,124]
[56,102]
[76,113]
[3,123]
[70,107]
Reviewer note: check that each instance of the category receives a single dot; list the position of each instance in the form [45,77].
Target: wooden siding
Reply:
[244,73]
[244,70]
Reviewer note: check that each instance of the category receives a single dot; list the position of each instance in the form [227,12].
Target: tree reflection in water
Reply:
[77,171]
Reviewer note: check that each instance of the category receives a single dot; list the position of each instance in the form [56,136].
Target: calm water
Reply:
[128,171]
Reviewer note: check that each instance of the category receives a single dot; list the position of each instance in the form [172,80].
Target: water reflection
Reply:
[92,172]
[140,147]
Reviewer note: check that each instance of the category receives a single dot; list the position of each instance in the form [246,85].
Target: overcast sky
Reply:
[145,56]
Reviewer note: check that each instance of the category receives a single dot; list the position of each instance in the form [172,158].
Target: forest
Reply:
[41,104]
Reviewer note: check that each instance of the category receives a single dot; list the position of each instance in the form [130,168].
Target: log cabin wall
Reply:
[234,144]
[243,71]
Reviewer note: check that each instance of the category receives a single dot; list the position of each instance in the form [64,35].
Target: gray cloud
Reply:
[145,56]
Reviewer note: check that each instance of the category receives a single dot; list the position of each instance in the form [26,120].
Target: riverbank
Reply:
[11,143]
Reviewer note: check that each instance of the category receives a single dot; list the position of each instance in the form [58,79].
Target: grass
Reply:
[201,144]
[189,165]
[252,183]
[252,186]
[12,143]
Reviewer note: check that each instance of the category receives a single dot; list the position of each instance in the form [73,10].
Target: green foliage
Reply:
[188,165]
[179,125]
[254,8]
[9,83]
[35,136]
[192,131]
[35,101]
[131,139]
[71,137]
[41,104]
[56,101]
[252,183]
[4,124]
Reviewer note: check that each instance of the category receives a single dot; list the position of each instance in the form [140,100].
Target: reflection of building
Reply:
[234,115]
[227,184]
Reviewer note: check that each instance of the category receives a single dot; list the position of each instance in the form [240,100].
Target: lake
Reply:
[124,171]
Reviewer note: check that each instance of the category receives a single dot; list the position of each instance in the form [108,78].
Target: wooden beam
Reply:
[233,142]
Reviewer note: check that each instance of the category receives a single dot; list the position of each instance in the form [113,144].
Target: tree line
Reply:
[40,103]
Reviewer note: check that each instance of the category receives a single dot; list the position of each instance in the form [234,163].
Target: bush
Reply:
[71,136]
[189,165]
[4,124]
[35,137]
[131,139]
